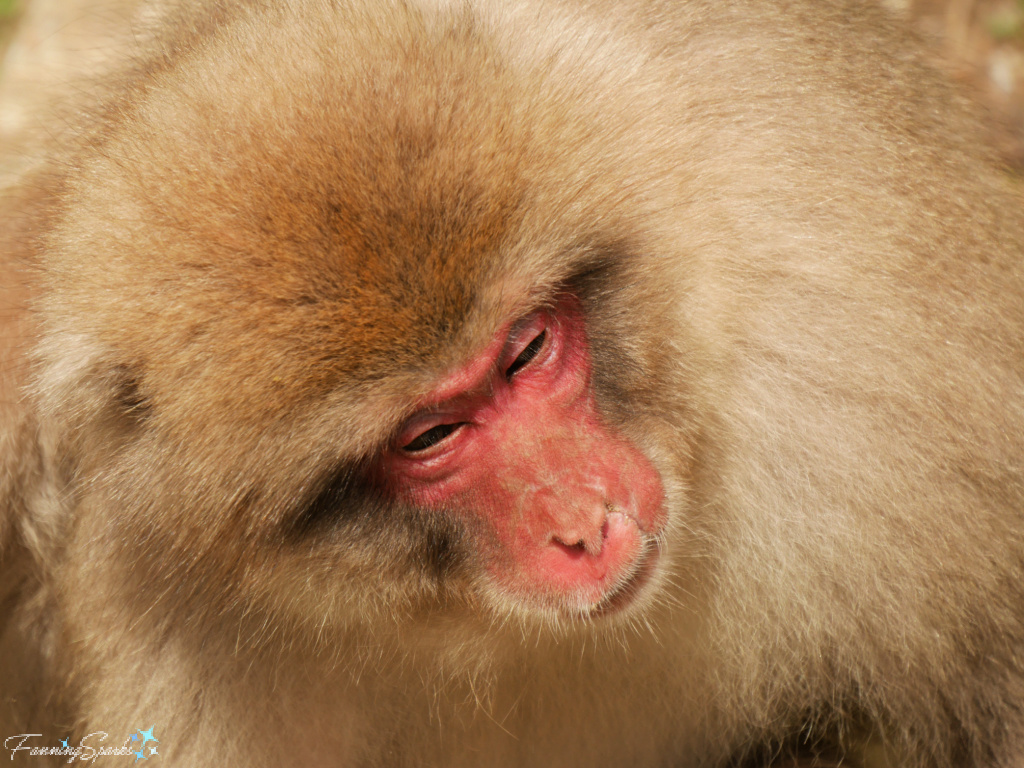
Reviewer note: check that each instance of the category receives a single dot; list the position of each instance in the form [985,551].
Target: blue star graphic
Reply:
[147,736]
[135,737]
[65,743]
[139,756]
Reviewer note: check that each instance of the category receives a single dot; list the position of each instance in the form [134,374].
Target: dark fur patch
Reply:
[339,497]
[129,398]
[349,508]
[599,282]
[434,542]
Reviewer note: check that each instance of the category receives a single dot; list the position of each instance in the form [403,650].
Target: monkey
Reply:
[515,383]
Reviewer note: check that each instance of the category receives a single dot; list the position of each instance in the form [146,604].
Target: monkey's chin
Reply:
[558,583]
[627,595]
[629,591]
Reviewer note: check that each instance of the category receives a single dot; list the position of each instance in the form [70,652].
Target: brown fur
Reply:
[278,225]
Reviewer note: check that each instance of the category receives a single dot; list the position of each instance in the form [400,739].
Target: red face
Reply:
[513,440]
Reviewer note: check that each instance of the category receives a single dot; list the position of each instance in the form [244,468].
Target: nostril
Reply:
[577,549]
[586,539]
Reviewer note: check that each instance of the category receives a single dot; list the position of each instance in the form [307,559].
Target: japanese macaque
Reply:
[490,384]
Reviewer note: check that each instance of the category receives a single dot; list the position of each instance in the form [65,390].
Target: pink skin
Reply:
[569,504]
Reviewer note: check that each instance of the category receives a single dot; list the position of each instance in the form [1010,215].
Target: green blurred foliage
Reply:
[1008,22]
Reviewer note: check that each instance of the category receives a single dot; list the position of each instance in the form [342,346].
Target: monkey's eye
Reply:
[528,353]
[432,436]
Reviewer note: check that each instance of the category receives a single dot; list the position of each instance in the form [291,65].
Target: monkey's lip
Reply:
[626,593]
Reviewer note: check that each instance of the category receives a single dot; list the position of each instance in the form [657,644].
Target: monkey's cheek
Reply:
[588,580]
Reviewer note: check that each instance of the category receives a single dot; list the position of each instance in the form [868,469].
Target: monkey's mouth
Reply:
[626,592]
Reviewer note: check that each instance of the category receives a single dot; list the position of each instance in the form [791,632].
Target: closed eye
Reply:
[528,353]
[431,437]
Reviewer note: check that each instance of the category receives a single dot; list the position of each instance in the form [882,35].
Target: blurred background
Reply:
[979,42]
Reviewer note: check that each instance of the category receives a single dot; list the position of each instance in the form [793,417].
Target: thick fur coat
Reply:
[266,227]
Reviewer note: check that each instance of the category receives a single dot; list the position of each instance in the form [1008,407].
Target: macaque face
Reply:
[567,512]
[402,374]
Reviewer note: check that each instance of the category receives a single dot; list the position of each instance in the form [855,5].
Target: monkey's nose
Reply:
[588,564]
